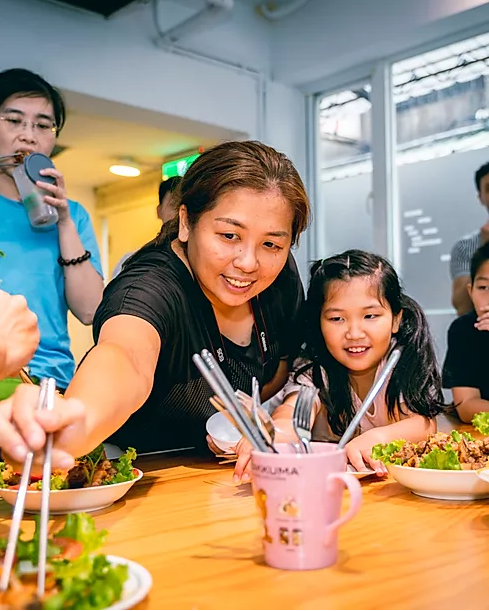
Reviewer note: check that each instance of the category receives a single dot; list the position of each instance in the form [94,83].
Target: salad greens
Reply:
[457,436]
[115,472]
[87,581]
[124,468]
[481,422]
[384,451]
[92,469]
[445,458]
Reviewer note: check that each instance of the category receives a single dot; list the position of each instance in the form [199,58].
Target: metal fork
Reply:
[260,416]
[265,425]
[46,401]
[301,418]
[269,423]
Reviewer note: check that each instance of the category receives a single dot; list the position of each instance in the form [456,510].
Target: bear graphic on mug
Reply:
[290,508]
[261,501]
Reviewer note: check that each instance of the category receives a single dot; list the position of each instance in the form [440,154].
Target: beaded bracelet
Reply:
[84,257]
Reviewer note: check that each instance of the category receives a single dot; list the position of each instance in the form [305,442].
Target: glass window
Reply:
[442,119]
[343,211]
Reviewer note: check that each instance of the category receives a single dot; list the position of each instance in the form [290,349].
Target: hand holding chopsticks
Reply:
[46,401]
[23,427]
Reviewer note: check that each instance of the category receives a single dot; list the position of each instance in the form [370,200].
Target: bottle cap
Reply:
[35,162]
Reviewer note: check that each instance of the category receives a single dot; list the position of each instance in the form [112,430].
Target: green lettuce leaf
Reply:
[481,422]
[125,470]
[58,482]
[81,527]
[88,583]
[446,460]
[457,436]
[2,481]
[384,451]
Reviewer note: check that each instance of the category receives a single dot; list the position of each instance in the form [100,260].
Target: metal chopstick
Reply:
[46,489]
[46,398]
[372,393]
[208,371]
[239,413]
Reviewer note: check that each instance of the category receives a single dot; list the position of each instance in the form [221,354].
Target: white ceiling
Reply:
[98,133]
[95,143]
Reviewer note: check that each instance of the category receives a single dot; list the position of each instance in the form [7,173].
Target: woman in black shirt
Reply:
[220,276]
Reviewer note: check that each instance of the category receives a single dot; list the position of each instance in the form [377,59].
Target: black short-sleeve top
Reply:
[156,285]
[467,359]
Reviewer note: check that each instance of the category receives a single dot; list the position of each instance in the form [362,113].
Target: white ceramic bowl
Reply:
[223,433]
[439,484]
[73,500]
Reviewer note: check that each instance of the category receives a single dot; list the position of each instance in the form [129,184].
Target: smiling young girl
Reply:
[355,308]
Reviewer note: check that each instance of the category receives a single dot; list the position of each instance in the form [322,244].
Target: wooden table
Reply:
[199,536]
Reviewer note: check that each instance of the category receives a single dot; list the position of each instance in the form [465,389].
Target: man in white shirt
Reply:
[464,249]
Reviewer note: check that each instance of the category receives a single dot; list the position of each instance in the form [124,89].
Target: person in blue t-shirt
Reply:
[57,268]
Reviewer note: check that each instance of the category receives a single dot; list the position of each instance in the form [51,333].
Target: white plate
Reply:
[73,500]
[137,586]
[439,484]
[359,474]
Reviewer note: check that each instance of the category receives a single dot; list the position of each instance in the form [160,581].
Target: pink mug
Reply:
[299,499]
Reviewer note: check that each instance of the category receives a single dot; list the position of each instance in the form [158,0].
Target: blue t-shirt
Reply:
[30,268]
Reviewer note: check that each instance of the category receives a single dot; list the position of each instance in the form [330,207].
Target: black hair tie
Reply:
[66,262]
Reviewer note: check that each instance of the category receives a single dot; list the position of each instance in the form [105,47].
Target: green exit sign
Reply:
[177,167]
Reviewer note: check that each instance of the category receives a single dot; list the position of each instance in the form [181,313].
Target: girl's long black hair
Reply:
[416,376]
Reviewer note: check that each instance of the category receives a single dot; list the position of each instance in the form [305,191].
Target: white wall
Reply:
[328,38]
[116,59]
[286,131]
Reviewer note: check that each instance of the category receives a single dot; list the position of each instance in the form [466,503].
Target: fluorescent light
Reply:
[123,169]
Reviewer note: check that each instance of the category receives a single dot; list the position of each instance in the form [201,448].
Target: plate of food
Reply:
[444,466]
[78,575]
[94,483]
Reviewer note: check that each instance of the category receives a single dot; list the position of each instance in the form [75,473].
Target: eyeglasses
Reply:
[43,127]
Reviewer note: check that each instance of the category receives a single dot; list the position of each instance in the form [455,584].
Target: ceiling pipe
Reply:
[211,10]
[274,14]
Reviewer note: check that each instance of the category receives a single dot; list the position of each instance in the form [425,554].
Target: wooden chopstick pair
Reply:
[47,393]
[25,377]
